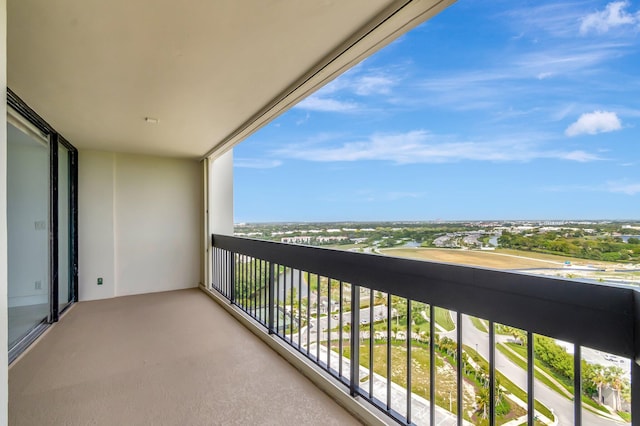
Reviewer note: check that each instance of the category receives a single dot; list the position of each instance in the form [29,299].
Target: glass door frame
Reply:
[55,141]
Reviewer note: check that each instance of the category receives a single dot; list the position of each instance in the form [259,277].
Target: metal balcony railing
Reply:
[366,318]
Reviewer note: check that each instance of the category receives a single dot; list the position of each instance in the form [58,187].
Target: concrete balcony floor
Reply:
[173,358]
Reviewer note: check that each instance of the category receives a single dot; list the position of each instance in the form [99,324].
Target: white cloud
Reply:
[624,187]
[490,88]
[579,156]
[593,123]
[363,81]
[358,81]
[614,15]
[419,146]
[559,19]
[616,187]
[316,103]
[256,163]
[303,120]
[379,84]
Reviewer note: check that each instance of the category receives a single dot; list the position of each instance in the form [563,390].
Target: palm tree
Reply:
[519,336]
[599,379]
[614,379]
[482,402]
[626,390]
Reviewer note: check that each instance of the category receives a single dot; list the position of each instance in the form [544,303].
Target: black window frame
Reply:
[55,140]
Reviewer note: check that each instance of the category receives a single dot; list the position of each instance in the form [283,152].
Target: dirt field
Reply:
[488,259]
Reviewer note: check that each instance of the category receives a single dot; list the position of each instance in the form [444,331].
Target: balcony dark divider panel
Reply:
[53,229]
[599,316]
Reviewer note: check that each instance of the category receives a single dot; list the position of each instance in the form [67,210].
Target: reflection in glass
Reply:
[27,228]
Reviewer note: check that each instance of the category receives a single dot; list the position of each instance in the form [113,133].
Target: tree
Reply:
[614,378]
[482,401]
[599,379]
[633,240]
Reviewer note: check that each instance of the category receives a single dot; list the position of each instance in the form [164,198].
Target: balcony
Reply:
[155,96]
[177,356]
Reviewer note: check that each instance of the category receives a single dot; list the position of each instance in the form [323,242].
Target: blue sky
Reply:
[491,110]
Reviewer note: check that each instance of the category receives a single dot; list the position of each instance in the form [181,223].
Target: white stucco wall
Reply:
[140,224]
[96,228]
[221,194]
[4,356]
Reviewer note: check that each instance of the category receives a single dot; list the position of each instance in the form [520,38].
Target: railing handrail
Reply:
[600,316]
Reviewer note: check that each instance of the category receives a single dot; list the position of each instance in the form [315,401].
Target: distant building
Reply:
[330,239]
[296,240]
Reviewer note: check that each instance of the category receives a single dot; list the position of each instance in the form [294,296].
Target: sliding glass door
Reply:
[27,227]
[41,225]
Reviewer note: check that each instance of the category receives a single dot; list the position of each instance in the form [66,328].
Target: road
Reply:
[561,406]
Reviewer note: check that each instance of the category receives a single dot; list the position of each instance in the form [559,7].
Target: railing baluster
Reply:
[254,286]
[460,379]
[409,361]
[308,311]
[240,284]
[290,304]
[340,325]
[299,309]
[577,385]
[278,297]
[370,343]
[263,293]
[635,391]
[214,269]
[354,377]
[492,374]
[243,283]
[432,365]
[329,324]
[318,318]
[531,406]
[227,265]
[271,297]
[230,286]
[389,319]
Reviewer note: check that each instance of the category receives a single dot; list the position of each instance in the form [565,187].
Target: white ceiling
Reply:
[206,69]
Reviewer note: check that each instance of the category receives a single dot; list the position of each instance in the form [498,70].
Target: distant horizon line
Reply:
[434,221]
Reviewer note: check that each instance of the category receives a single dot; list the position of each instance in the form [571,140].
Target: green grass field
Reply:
[480,324]
[443,319]
[522,351]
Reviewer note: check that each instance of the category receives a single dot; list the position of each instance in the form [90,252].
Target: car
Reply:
[613,358]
